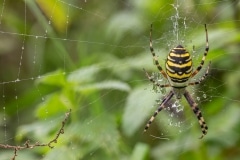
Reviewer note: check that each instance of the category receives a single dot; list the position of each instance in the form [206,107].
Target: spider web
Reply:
[87,56]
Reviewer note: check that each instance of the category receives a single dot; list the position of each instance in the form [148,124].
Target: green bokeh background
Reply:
[88,56]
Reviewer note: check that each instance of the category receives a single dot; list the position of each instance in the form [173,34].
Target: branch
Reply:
[27,144]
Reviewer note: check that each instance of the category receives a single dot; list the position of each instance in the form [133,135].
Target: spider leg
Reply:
[161,106]
[155,57]
[204,55]
[197,112]
[203,77]
[193,49]
[154,82]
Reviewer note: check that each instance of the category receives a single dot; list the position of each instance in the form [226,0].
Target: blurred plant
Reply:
[95,69]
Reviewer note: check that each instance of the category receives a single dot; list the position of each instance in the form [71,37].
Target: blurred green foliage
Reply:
[89,55]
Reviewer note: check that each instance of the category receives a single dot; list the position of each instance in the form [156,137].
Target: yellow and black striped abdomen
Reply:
[179,66]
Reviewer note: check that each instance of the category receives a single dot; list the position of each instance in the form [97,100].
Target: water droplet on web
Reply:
[43,98]
[204,96]
[22,47]
[179,124]
[174,105]
[49,22]
[89,122]
[16,97]
[198,98]
[178,106]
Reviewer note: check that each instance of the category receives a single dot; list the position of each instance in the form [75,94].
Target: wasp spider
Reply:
[179,71]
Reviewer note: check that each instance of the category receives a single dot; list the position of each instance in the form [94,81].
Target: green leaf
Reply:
[96,133]
[62,153]
[22,154]
[37,130]
[139,104]
[122,23]
[58,17]
[140,152]
[84,74]
[56,78]
[53,105]
[110,84]
[226,120]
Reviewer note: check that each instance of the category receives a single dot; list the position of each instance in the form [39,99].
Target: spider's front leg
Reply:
[150,78]
[154,55]
[197,112]
[203,77]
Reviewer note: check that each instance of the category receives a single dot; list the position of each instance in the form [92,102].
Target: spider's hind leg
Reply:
[198,113]
[161,106]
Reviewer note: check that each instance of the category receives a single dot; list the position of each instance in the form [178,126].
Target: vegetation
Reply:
[88,56]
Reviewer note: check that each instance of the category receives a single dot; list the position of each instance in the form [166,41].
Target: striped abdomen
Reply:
[179,66]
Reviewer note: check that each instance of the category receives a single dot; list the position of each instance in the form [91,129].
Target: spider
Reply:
[179,72]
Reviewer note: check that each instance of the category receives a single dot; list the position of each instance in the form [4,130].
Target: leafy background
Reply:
[91,59]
